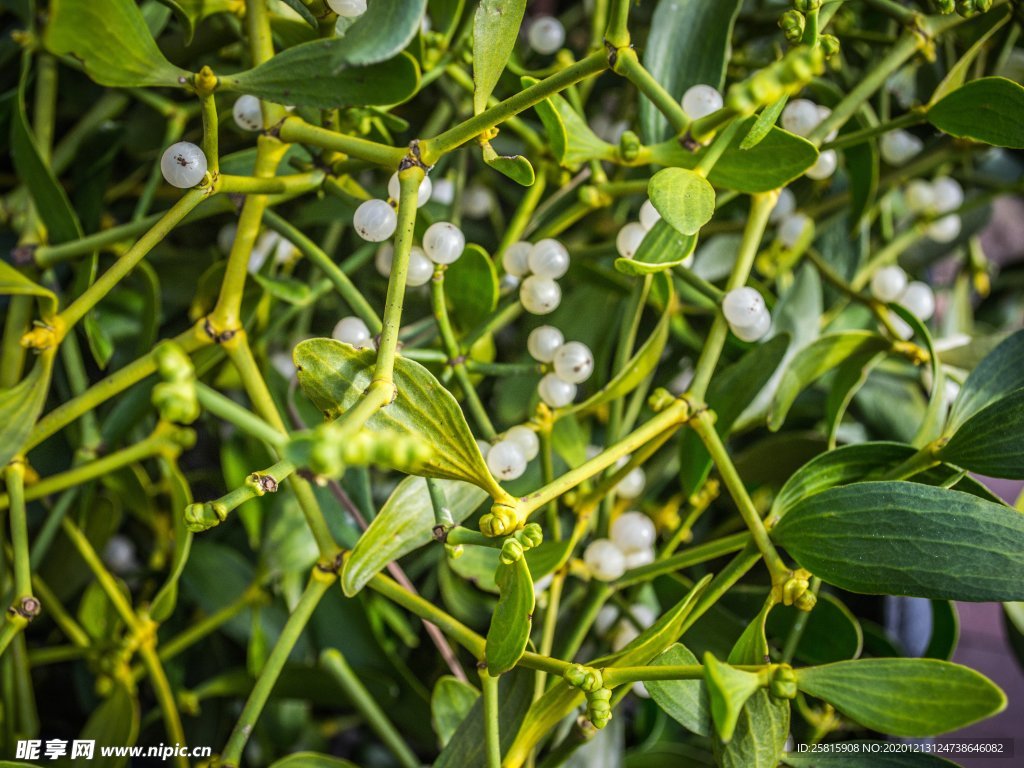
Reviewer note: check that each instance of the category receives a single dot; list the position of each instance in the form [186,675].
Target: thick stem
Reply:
[294,130]
[492,734]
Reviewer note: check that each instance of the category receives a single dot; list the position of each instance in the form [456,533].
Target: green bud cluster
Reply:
[587,679]
[175,396]
[783,78]
[796,591]
[968,8]
[204,516]
[783,684]
[599,707]
[328,449]
[792,24]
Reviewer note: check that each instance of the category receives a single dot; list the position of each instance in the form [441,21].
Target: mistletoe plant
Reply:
[366,395]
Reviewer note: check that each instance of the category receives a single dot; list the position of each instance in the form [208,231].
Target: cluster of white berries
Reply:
[890,284]
[546,35]
[443,243]
[347,9]
[507,458]
[802,116]
[183,165]
[701,100]
[746,313]
[630,545]
[899,147]
[376,220]
[571,363]
[791,224]
[539,265]
[937,198]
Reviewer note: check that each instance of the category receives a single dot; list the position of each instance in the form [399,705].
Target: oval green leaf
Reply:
[997,375]
[513,617]
[383,31]
[663,248]
[991,442]
[471,287]
[900,538]
[570,137]
[302,76]
[404,524]
[684,198]
[450,704]
[335,375]
[685,701]
[761,732]
[728,690]
[904,697]
[112,41]
[516,167]
[21,405]
[495,29]
[985,110]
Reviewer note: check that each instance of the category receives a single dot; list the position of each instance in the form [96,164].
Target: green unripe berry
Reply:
[829,45]
[629,146]
[530,536]
[792,24]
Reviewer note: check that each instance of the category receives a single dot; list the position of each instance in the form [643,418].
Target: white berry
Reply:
[792,228]
[548,258]
[506,460]
[639,558]
[247,113]
[353,331]
[443,242]
[605,560]
[825,166]
[633,531]
[422,195]
[119,554]
[539,295]
[919,196]
[628,241]
[800,116]
[183,165]
[348,9]
[632,485]
[606,618]
[375,221]
[526,439]
[899,147]
[383,258]
[484,446]
[743,307]
[443,192]
[701,100]
[946,229]
[574,362]
[888,283]
[784,206]
[949,195]
[555,392]
[516,259]
[543,342]
[919,299]
[754,332]
[649,215]
[226,237]
[624,634]
[421,269]
[824,113]
[476,201]
[546,35]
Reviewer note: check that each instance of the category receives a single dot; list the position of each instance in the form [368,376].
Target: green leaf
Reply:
[191,12]
[383,31]
[991,442]
[450,704]
[636,370]
[728,690]
[761,732]
[764,124]
[831,632]
[814,361]
[112,41]
[302,76]
[471,286]
[777,159]
[405,523]
[312,760]
[945,630]
[957,74]
[513,617]
[985,110]
[730,393]
[21,405]
[14,283]
[849,377]
[516,167]
[997,375]
[296,5]
[663,248]
[51,201]
[334,376]
[900,538]
[904,697]
[466,747]
[495,29]
[115,721]
[685,701]
[689,44]
[752,645]
[684,198]
[572,141]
